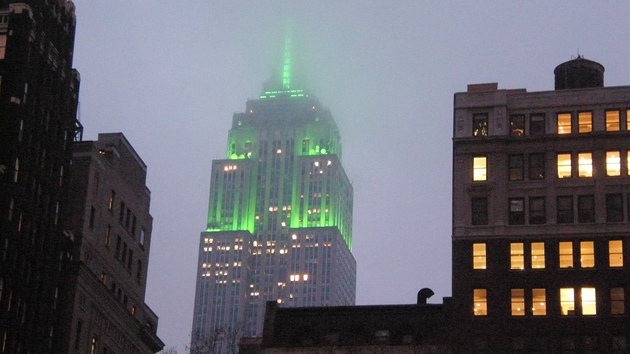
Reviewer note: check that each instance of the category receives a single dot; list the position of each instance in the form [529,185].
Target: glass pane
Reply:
[612,121]
[613,163]
[537,124]
[480,302]
[564,165]
[566,254]
[585,164]
[517,257]
[539,302]
[615,253]
[518,302]
[589,304]
[587,254]
[517,125]
[564,123]
[567,304]
[538,255]
[479,256]
[479,168]
[617,302]
[585,122]
[480,125]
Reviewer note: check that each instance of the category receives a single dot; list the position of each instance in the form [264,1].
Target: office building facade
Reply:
[280,217]
[541,188]
[111,227]
[38,105]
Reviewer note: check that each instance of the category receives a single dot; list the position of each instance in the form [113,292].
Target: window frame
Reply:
[587,254]
[480,255]
[568,261]
[517,125]
[618,298]
[538,302]
[517,302]
[614,207]
[615,254]
[565,215]
[563,127]
[612,115]
[517,256]
[585,122]
[586,215]
[567,298]
[535,253]
[479,211]
[536,166]
[516,217]
[537,211]
[516,167]
[480,168]
[561,167]
[537,126]
[480,125]
[584,166]
[613,168]
[480,302]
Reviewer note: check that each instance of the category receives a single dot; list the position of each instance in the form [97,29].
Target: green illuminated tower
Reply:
[279,222]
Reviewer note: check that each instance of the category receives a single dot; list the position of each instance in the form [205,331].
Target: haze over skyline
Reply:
[169,76]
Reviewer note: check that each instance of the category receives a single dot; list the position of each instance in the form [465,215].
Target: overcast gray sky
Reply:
[170,74]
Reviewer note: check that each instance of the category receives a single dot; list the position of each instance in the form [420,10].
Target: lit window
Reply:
[586,208]
[564,123]
[567,301]
[480,302]
[587,254]
[612,121]
[536,166]
[617,301]
[517,125]
[515,165]
[615,253]
[516,212]
[3,44]
[564,165]
[538,255]
[518,302]
[585,122]
[566,254]
[16,170]
[613,163]
[537,214]
[565,209]
[480,125]
[479,256]
[517,256]
[537,124]
[589,302]
[539,302]
[614,207]
[585,164]
[479,168]
[479,211]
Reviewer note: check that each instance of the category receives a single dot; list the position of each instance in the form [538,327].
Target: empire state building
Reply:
[279,224]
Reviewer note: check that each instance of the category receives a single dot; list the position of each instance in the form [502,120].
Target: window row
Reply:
[572,301]
[568,165]
[569,209]
[534,124]
[531,255]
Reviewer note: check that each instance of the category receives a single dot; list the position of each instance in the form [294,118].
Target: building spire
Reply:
[287,59]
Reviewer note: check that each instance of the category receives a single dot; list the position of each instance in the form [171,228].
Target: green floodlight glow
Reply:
[286,65]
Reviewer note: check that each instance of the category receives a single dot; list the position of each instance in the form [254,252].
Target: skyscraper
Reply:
[111,227]
[279,222]
[38,104]
[541,192]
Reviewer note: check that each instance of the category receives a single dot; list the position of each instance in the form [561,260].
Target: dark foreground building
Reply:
[111,227]
[38,104]
[541,184]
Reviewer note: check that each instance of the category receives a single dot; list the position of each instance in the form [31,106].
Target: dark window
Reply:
[515,167]
[124,252]
[92,215]
[479,207]
[536,166]
[565,209]
[517,125]
[586,208]
[130,259]
[118,244]
[537,124]
[121,215]
[133,226]
[614,207]
[139,271]
[480,124]
[128,218]
[77,339]
[516,211]
[537,210]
